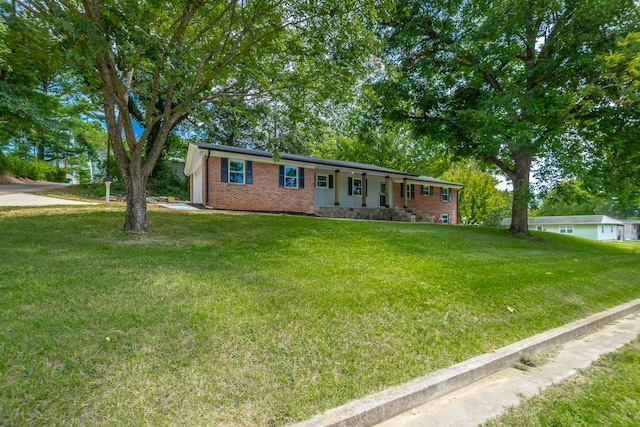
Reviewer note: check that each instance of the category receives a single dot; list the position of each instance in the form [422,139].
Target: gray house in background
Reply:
[594,227]
[631,229]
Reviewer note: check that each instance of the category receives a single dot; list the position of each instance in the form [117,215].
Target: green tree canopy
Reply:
[505,82]
[480,201]
[154,63]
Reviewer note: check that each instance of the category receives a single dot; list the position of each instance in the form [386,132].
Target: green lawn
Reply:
[265,320]
[605,394]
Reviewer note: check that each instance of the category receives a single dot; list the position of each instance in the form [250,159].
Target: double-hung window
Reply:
[290,177]
[357,187]
[236,171]
[445,219]
[322,181]
[445,194]
[426,190]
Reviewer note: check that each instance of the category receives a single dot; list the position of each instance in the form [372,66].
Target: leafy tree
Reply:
[480,199]
[615,167]
[153,63]
[572,198]
[507,83]
[42,116]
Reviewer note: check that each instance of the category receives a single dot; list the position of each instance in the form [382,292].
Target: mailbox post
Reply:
[107,182]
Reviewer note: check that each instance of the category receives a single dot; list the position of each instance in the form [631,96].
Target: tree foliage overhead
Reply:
[154,63]
[508,83]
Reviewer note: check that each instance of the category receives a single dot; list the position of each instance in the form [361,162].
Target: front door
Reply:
[383,194]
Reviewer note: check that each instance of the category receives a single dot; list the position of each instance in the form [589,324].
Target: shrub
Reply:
[37,171]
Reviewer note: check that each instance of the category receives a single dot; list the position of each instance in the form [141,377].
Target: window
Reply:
[566,229]
[445,219]
[445,194]
[290,177]
[322,181]
[357,187]
[236,172]
[411,191]
[426,190]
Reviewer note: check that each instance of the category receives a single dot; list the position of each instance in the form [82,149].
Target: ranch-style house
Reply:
[232,178]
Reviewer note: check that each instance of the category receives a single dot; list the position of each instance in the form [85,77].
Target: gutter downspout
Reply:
[207,179]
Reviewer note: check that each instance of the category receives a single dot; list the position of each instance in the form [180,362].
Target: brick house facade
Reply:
[232,178]
[441,202]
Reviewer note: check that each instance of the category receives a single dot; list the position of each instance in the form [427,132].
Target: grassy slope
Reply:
[266,320]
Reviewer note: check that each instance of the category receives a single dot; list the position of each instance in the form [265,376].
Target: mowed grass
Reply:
[265,320]
[605,394]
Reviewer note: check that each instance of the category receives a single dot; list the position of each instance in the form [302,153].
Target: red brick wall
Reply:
[264,195]
[431,205]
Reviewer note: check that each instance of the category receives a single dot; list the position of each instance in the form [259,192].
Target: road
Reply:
[22,195]
[32,187]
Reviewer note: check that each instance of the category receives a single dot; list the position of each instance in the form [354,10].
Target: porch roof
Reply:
[318,162]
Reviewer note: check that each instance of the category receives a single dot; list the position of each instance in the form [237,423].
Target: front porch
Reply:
[378,214]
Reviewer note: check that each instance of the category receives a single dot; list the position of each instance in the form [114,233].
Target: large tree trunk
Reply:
[521,194]
[136,196]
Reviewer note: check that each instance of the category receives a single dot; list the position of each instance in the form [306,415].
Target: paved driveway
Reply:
[21,195]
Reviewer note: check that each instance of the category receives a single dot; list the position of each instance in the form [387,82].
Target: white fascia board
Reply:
[192,162]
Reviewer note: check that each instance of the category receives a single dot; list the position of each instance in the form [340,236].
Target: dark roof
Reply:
[567,220]
[302,159]
[324,162]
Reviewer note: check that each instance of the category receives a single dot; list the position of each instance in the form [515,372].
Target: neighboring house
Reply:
[595,227]
[631,229]
[240,179]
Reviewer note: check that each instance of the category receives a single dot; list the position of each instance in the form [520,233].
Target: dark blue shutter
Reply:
[413,192]
[431,190]
[281,175]
[300,177]
[366,187]
[330,181]
[249,171]
[224,170]
[422,189]
[350,184]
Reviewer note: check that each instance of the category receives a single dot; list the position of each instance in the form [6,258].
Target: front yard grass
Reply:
[265,320]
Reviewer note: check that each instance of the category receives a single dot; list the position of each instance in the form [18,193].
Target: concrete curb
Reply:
[386,404]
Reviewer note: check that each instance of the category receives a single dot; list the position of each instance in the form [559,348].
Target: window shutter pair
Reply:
[281,176]
[426,190]
[224,170]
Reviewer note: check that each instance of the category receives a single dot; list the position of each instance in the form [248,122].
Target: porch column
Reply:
[386,192]
[405,191]
[364,190]
[336,186]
